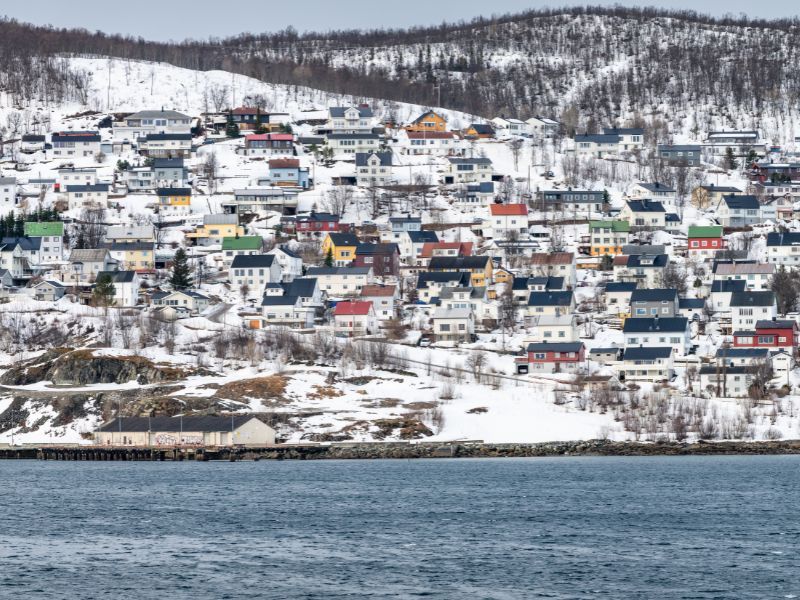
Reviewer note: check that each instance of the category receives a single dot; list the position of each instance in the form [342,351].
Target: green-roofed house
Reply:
[51,239]
[608,237]
[243,245]
[705,240]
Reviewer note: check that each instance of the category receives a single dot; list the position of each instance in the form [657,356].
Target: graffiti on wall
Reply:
[170,439]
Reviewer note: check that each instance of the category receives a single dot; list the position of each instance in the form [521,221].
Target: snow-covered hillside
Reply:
[341,391]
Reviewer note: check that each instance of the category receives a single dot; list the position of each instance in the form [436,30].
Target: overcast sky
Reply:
[181,19]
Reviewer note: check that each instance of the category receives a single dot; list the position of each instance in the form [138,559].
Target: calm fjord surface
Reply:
[697,527]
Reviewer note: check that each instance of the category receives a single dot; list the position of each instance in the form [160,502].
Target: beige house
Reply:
[200,431]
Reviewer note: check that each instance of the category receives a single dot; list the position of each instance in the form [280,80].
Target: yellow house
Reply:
[214,228]
[342,248]
[502,275]
[174,201]
[608,237]
[134,256]
[428,121]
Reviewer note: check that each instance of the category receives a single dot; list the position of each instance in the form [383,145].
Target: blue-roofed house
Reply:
[646,364]
[644,213]
[656,332]
[739,211]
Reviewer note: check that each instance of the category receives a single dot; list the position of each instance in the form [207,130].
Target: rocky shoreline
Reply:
[545,449]
[404,450]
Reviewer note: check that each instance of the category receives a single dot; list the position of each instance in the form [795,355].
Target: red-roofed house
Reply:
[428,142]
[382,298]
[431,249]
[509,221]
[354,317]
[268,144]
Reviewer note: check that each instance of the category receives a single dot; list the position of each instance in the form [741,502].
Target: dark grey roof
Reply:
[776,324]
[653,295]
[97,187]
[550,299]
[279,300]
[746,298]
[742,352]
[303,287]
[458,277]
[555,347]
[657,187]
[168,163]
[252,261]
[174,192]
[728,285]
[338,111]
[646,260]
[118,276]
[421,237]
[691,303]
[730,370]
[376,249]
[187,137]
[620,286]
[598,138]
[635,353]
[482,128]
[353,136]
[741,202]
[470,161]
[629,249]
[344,239]
[318,271]
[646,206]
[29,244]
[788,238]
[129,246]
[385,158]
[454,263]
[318,216]
[176,424]
[647,325]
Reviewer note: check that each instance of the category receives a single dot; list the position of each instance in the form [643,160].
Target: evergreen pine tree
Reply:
[231,128]
[181,272]
[730,160]
[104,290]
[19,226]
[329,258]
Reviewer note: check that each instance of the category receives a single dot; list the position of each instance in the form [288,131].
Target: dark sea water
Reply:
[655,528]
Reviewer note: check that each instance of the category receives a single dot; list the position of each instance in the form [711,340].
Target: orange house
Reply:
[428,121]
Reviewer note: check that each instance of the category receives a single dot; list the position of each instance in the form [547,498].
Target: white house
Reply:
[76,176]
[644,213]
[554,328]
[145,122]
[657,332]
[290,263]
[74,144]
[346,145]
[8,193]
[126,287]
[350,119]
[191,301]
[254,272]
[647,364]
[509,221]
[784,248]
[510,126]
[383,299]
[286,310]
[341,281]
[374,169]
[87,196]
[748,308]
[354,317]
[757,276]
[468,170]
[454,325]
[542,127]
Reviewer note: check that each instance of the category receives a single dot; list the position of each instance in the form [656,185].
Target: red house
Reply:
[549,357]
[705,240]
[316,225]
[769,334]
